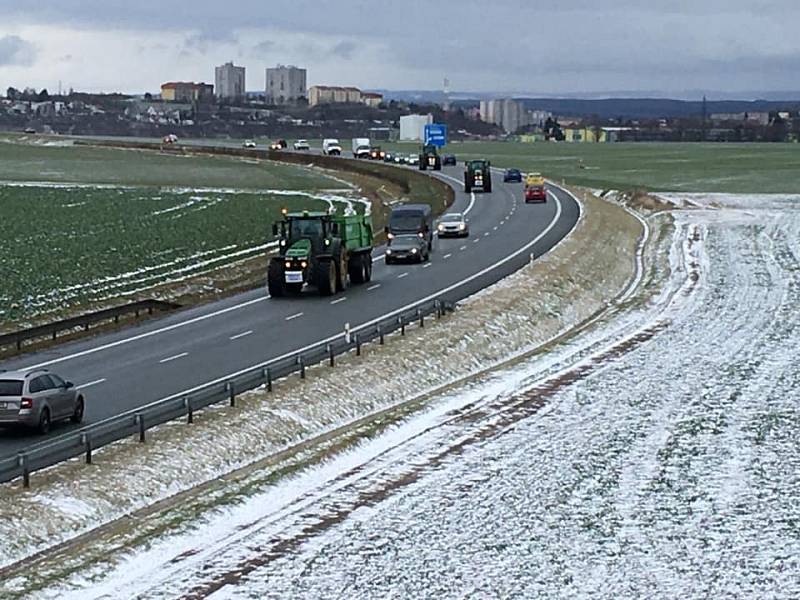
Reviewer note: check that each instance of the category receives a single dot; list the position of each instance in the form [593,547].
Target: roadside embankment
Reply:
[184,470]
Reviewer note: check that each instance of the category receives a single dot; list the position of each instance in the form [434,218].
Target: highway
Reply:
[172,355]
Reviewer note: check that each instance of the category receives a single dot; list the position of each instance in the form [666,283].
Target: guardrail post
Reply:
[402,325]
[358,345]
[19,342]
[438,306]
[86,441]
[232,393]
[139,420]
[380,335]
[331,356]
[187,402]
[421,317]
[302,364]
[269,379]
[26,473]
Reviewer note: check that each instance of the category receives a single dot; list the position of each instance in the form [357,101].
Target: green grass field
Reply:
[54,160]
[726,168]
[64,246]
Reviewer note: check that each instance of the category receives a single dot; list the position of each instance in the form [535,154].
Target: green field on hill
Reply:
[727,168]
[54,160]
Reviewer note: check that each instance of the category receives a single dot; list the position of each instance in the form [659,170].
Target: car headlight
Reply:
[421,235]
[390,236]
[413,251]
[388,251]
[462,226]
[440,227]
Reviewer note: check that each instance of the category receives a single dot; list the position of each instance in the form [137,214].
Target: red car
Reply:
[535,193]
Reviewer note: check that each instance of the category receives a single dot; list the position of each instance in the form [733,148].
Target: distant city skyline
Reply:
[557,47]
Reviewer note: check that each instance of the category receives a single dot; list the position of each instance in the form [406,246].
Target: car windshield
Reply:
[10,387]
[305,228]
[452,217]
[405,222]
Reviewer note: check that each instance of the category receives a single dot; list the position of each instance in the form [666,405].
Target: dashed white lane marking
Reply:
[339,300]
[402,275]
[90,384]
[428,265]
[447,256]
[494,228]
[476,240]
[373,287]
[463,248]
[486,234]
[297,316]
[241,335]
[171,358]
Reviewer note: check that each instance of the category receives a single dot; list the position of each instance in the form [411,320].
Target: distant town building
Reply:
[371,99]
[186,91]
[507,113]
[285,85]
[412,127]
[229,81]
[325,94]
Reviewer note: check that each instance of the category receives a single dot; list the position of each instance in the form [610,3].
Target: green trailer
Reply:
[322,250]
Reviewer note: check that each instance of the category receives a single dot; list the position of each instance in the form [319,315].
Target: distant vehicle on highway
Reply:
[453,225]
[407,247]
[534,179]
[414,220]
[449,160]
[535,193]
[302,145]
[360,147]
[170,138]
[512,176]
[389,157]
[37,399]
[278,145]
[331,147]
[375,153]
[29,130]
[412,159]
[248,144]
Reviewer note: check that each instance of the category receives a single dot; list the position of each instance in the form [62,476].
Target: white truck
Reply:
[331,147]
[361,147]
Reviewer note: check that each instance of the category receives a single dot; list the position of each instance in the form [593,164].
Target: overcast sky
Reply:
[546,46]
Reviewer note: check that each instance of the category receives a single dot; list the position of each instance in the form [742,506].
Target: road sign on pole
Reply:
[435,135]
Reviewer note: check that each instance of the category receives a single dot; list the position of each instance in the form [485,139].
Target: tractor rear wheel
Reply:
[358,269]
[275,283]
[326,278]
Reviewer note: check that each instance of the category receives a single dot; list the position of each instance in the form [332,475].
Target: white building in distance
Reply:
[285,85]
[229,82]
[412,127]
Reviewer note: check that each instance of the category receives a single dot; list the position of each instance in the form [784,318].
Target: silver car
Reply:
[453,225]
[37,399]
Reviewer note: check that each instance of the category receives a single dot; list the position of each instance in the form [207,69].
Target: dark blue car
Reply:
[512,176]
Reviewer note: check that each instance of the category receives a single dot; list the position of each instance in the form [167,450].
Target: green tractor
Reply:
[430,159]
[320,249]
[478,174]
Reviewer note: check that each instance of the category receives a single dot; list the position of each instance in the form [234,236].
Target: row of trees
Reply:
[28,94]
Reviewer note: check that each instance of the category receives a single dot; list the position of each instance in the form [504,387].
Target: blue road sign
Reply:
[435,135]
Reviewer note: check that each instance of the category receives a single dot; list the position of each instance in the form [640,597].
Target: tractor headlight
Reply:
[327,242]
[390,236]
[421,235]
[303,264]
[283,242]
[288,264]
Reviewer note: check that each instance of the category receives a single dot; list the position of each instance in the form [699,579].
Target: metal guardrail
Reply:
[16,338]
[138,421]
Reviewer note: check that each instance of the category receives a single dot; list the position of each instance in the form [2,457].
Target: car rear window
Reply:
[10,387]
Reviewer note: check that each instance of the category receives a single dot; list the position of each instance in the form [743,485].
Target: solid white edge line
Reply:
[358,327]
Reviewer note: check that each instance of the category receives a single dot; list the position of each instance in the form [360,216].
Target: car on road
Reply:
[453,225]
[248,144]
[412,159]
[449,160]
[407,247]
[302,145]
[278,145]
[38,398]
[375,153]
[535,193]
[512,176]
[388,157]
[170,138]
[532,179]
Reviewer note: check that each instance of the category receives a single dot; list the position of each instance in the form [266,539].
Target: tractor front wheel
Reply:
[275,283]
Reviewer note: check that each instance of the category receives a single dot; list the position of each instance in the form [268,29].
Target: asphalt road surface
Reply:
[172,355]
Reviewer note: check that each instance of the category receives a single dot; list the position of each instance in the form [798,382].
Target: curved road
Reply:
[172,355]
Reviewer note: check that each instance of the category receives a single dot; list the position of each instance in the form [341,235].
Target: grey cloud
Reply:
[204,41]
[263,48]
[344,50]
[14,51]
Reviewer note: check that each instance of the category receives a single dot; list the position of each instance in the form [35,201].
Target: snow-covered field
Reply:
[653,455]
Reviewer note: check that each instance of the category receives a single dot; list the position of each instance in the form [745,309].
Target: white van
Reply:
[331,147]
